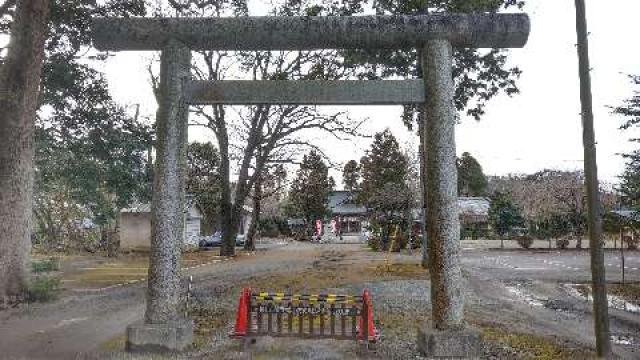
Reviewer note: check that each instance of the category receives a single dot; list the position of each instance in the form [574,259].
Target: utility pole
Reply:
[600,309]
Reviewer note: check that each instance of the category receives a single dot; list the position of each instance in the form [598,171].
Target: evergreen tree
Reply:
[504,215]
[309,193]
[351,175]
[86,146]
[471,179]
[384,189]
[479,74]
[203,181]
[630,178]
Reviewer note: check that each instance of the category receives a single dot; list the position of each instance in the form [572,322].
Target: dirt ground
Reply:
[80,272]
[526,303]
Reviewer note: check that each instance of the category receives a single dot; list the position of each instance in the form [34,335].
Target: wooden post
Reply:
[354,321]
[343,323]
[600,305]
[622,262]
[322,315]
[332,319]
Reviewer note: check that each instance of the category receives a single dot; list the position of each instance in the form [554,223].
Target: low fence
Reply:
[343,317]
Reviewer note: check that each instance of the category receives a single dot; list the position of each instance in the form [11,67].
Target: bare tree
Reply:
[265,135]
[251,138]
[546,194]
[267,185]
[19,87]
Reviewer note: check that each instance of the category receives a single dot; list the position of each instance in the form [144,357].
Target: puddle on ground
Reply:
[522,293]
[623,339]
[615,302]
[519,291]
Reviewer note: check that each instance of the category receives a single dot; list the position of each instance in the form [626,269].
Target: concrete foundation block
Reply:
[168,337]
[464,343]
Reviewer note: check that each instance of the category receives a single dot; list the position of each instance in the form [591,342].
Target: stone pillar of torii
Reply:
[434,34]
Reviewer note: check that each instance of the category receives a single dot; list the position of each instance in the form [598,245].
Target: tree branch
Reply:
[6,7]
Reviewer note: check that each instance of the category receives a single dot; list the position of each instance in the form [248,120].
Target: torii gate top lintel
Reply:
[312,33]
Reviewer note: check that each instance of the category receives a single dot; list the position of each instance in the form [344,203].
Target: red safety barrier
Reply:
[242,316]
[368,332]
[336,316]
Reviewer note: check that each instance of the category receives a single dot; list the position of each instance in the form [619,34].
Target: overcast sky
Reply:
[539,128]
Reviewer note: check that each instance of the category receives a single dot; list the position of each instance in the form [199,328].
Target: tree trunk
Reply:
[19,85]
[226,208]
[255,216]
[231,231]
[114,237]
[579,242]
[386,236]
[578,232]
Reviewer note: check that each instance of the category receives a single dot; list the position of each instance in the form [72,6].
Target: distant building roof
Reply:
[342,202]
[473,206]
[137,208]
[627,214]
[470,210]
[295,221]
[190,201]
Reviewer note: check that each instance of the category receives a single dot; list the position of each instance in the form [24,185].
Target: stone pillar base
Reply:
[169,337]
[465,343]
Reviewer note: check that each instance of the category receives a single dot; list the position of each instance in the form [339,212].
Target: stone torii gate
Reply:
[434,34]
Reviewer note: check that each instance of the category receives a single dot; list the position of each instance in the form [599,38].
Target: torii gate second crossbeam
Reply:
[434,35]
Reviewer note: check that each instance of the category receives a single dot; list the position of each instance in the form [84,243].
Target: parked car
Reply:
[214,240]
[239,240]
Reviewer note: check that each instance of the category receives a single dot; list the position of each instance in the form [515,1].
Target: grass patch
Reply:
[398,323]
[401,270]
[126,268]
[532,346]
[628,291]
[329,277]
[46,265]
[115,343]
[208,319]
[43,289]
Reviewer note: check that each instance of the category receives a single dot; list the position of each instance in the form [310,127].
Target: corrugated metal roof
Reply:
[190,201]
[473,206]
[137,208]
[628,214]
[342,202]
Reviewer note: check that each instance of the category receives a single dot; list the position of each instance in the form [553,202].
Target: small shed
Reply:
[135,225]
[474,217]
[473,210]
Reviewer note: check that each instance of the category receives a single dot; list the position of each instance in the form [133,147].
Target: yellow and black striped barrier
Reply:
[337,316]
[309,298]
